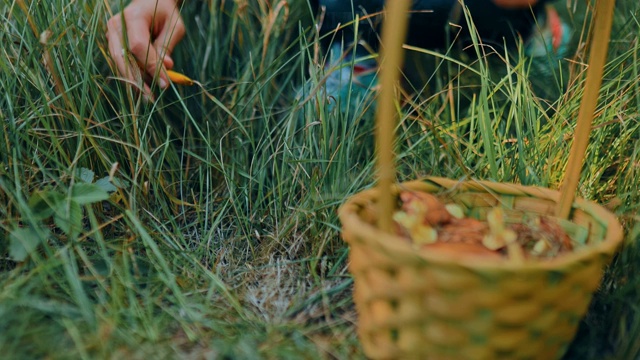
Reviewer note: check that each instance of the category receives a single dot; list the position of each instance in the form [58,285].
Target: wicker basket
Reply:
[442,306]
[448,305]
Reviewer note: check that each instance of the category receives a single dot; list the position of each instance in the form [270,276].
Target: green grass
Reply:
[221,239]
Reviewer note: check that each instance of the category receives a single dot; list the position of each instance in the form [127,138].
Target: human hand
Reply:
[515,4]
[151,29]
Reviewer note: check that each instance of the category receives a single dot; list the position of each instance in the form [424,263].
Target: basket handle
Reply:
[597,59]
[391,57]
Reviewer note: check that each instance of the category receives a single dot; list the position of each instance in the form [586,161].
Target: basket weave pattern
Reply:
[438,306]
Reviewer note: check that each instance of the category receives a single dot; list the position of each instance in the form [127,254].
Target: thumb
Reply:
[168,61]
[155,66]
[168,37]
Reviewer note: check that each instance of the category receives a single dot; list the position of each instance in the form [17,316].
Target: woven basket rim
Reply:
[399,248]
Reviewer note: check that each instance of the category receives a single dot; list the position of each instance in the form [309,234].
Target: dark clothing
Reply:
[430,27]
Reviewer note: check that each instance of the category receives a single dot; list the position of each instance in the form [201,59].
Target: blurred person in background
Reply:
[145,33]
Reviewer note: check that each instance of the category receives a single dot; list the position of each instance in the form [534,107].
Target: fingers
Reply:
[150,30]
[143,51]
[167,38]
[125,66]
[170,33]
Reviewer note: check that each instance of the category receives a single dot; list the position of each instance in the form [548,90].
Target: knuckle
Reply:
[139,48]
[151,68]
[130,11]
[114,23]
[180,29]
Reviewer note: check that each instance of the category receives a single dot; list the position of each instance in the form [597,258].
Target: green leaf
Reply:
[119,183]
[84,193]
[23,241]
[87,175]
[69,218]
[106,185]
[44,203]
